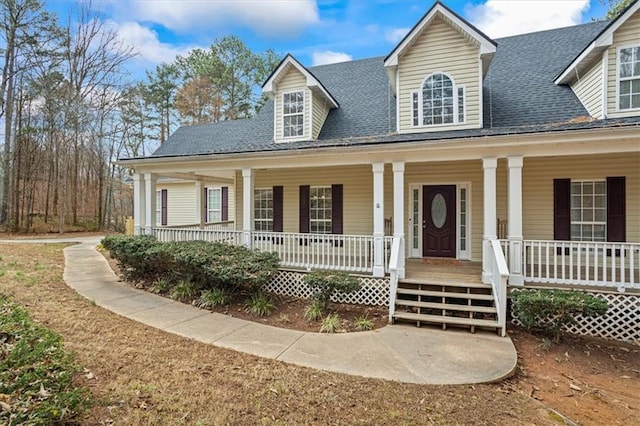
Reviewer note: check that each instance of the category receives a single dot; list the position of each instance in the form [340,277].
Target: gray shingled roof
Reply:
[519,97]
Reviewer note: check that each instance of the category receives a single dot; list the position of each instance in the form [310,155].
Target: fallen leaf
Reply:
[5,407]
[575,387]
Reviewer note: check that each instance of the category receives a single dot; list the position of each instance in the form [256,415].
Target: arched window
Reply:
[439,101]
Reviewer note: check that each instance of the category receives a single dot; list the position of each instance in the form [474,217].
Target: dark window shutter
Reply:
[206,204]
[277,208]
[616,209]
[562,209]
[305,192]
[336,209]
[224,215]
[163,208]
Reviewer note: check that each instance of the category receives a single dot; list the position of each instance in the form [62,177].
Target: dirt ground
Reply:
[140,375]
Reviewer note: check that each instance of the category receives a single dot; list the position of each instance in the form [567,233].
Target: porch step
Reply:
[447,294]
[447,306]
[458,303]
[444,319]
[446,283]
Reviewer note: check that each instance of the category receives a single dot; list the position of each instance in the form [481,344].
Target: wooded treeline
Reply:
[69,109]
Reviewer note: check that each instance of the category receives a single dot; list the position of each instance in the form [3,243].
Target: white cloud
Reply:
[394,35]
[329,57]
[145,42]
[265,17]
[500,18]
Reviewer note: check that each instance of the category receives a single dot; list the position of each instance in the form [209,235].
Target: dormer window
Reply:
[293,114]
[629,77]
[438,102]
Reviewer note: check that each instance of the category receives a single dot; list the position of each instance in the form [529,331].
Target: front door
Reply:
[439,221]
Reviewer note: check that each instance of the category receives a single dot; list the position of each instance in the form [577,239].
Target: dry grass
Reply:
[145,376]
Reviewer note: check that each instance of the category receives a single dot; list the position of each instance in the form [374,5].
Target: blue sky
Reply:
[314,31]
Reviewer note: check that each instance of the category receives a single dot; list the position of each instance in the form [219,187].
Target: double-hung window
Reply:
[439,101]
[320,209]
[629,78]
[214,205]
[263,209]
[293,114]
[589,210]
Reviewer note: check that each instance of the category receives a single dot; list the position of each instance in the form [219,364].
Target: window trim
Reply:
[302,114]
[420,105]
[621,79]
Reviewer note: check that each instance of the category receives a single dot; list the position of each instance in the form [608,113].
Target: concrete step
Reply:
[446,306]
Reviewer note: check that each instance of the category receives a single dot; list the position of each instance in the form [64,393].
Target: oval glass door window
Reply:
[438,211]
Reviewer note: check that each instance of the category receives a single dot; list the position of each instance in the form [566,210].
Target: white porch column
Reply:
[247,206]
[139,200]
[200,203]
[150,180]
[398,212]
[490,217]
[378,219]
[514,223]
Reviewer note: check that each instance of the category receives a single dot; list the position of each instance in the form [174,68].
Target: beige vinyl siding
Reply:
[589,90]
[320,112]
[537,193]
[357,184]
[627,35]
[440,48]
[293,81]
[181,201]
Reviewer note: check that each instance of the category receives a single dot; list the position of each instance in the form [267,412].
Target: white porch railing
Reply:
[351,253]
[582,263]
[393,275]
[499,273]
[188,234]
[228,225]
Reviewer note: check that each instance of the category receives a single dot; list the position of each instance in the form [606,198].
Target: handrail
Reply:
[393,275]
[499,276]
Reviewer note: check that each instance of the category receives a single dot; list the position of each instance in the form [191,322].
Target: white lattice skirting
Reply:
[374,291]
[621,322]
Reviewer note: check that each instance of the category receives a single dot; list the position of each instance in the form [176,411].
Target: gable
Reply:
[440,48]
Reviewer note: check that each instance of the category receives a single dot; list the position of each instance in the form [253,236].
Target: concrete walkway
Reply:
[398,352]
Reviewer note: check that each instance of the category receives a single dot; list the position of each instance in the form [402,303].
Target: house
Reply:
[453,166]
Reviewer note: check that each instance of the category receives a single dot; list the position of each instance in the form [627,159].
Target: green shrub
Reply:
[324,284]
[215,297]
[184,291]
[137,256]
[362,323]
[206,265]
[551,310]
[314,311]
[259,305]
[331,324]
[36,373]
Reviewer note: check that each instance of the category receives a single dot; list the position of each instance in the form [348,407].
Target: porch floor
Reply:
[445,271]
